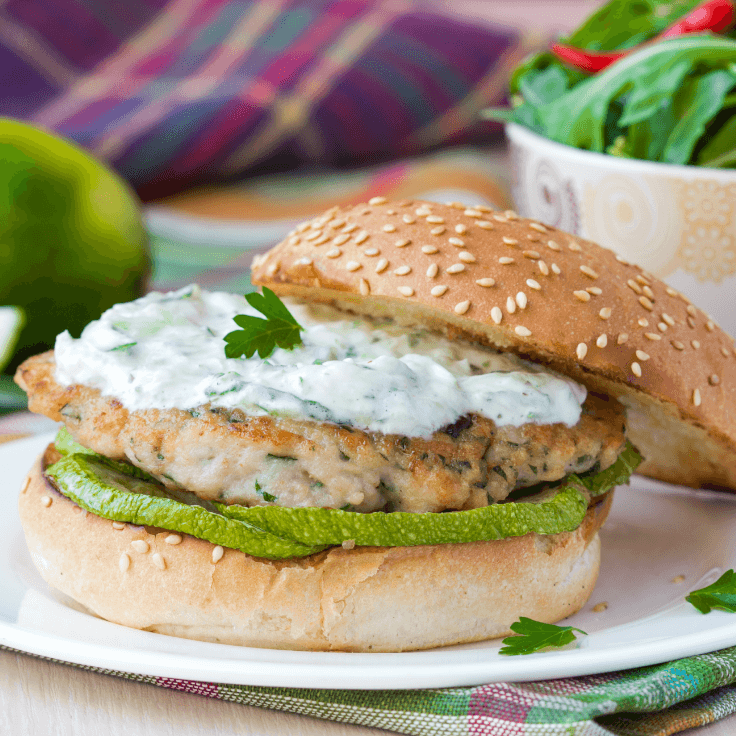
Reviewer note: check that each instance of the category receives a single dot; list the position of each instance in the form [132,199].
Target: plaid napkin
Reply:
[648,701]
[179,92]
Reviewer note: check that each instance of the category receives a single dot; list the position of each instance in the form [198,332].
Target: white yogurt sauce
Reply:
[168,350]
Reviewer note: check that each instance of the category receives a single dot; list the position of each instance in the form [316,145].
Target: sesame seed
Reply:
[594,290]
[710,325]
[433,270]
[371,252]
[173,539]
[543,267]
[389,228]
[634,286]
[483,225]
[390,212]
[405,291]
[377,200]
[552,245]
[538,227]
[622,338]
[602,340]
[402,270]
[621,259]
[423,211]
[648,292]
[636,369]
[646,303]
[643,322]
[466,257]
[473,213]
[402,243]
[313,235]
[336,224]
[605,313]
[486,282]
[642,280]
[556,268]
[725,352]
[271,270]
[671,291]
[522,331]
[510,305]
[350,228]
[118,525]
[496,315]
[46,501]
[713,379]
[217,553]
[691,322]
[305,261]
[695,344]
[303,226]
[294,240]
[124,562]
[462,307]
[696,397]
[436,219]
[159,561]
[340,239]
[439,230]
[691,310]
[456,268]
[510,241]
[582,295]
[334,253]
[652,336]
[321,240]
[457,205]
[531,254]
[505,261]
[361,237]
[438,290]
[500,218]
[365,287]
[533,237]
[353,265]
[408,219]
[459,242]
[381,266]
[140,545]
[532,284]
[661,326]
[574,247]
[581,351]
[521,300]
[511,215]
[462,229]
[588,271]
[429,249]
[599,607]
[677,345]
[642,355]
[666,318]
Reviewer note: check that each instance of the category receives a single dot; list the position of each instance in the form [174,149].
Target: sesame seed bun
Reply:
[529,288]
[364,599]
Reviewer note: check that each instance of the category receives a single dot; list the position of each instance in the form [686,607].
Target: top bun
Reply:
[528,288]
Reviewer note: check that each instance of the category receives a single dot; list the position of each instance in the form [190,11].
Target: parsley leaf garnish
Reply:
[535,635]
[279,329]
[721,594]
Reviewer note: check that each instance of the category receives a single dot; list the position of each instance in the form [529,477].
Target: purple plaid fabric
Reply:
[179,92]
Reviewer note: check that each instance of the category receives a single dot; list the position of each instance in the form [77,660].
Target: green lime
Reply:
[72,242]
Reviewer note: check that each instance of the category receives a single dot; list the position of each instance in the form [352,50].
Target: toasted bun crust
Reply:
[366,599]
[522,286]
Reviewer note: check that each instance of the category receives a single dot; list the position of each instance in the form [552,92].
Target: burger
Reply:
[411,441]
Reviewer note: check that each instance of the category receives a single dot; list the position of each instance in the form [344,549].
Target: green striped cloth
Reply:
[648,701]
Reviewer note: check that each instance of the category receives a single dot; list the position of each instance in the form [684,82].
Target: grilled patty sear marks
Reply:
[226,455]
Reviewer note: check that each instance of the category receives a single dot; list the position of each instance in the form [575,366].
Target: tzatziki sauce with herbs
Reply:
[168,350]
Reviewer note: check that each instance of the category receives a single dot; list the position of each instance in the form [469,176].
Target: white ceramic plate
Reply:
[656,534]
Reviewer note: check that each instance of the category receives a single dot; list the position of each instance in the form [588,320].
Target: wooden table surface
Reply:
[45,699]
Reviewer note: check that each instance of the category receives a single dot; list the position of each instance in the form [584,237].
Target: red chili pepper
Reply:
[712,15]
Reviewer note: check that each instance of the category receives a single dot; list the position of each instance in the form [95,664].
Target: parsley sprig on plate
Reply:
[278,329]
[533,636]
[721,594]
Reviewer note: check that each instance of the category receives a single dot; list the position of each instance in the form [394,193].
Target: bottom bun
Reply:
[379,599]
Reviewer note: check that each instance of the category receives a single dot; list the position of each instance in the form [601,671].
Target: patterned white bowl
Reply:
[677,222]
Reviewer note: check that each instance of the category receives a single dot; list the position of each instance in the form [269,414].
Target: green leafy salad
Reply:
[671,99]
